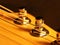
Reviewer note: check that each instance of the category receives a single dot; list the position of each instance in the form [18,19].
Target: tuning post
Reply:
[39,31]
[22,17]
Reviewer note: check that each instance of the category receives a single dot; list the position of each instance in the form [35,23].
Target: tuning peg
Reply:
[22,21]
[39,31]
[22,17]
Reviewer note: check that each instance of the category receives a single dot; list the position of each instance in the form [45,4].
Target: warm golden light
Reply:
[13,34]
[43,33]
[25,21]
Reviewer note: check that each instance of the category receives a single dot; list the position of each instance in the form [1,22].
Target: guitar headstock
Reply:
[12,16]
[22,18]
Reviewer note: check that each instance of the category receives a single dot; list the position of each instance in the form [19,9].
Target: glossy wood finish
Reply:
[13,34]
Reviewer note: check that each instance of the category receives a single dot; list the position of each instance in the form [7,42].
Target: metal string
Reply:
[18,26]
[14,19]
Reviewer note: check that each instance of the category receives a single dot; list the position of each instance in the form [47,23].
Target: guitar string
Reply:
[20,22]
[17,34]
[52,36]
[18,26]
[10,39]
[12,12]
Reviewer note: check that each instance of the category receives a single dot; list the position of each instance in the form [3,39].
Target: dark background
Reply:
[49,9]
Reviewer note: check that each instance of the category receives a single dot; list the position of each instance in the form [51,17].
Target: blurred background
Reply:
[49,9]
